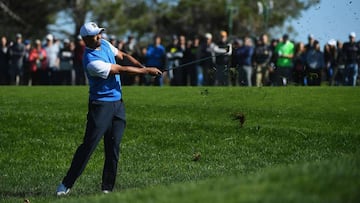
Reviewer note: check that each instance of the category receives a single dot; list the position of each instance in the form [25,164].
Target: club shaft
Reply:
[196,61]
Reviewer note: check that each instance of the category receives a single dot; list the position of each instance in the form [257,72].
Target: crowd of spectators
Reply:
[37,62]
[248,61]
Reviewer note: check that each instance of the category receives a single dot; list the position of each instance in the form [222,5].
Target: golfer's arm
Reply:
[121,55]
[116,69]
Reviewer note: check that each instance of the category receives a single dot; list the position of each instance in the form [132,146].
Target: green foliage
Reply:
[164,17]
[298,144]
[27,17]
[195,17]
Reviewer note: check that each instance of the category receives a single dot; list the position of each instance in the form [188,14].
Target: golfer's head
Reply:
[91,34]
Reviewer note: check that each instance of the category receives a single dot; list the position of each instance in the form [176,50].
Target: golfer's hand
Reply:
[153,71]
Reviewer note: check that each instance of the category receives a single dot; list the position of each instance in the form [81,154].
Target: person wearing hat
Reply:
[51,76]
[106,111]
[352,54]
[208,49]
[311,40]
[330,55]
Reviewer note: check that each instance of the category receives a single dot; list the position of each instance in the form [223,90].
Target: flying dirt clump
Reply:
[239,116]
[196,156]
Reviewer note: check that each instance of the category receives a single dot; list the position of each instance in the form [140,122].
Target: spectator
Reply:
[130,48]
[26,63]
[4,62]
[339,71]
[188,72]
[141,80]
[299,64]
[127,79]
[195,52]
[314,64]
[120,45]
[52,52]
[16,54]
[184,48]
[78,56]
[274,57]
[222,61]
[66,57]
[173,56]
[190,55]
[330,55]
[262,56]
[207,65]
[284,64]
[112,40]
[233,73]
[210,49]
[352,53]
[244,56]
[310,43]
[155,57]
[37,61]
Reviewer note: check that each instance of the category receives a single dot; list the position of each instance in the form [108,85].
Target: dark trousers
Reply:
[222,77]
[104,119]
[283,75]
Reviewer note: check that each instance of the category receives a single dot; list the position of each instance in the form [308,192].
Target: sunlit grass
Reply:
[285,151]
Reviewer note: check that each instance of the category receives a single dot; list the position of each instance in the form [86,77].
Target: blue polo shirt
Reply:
[97,63]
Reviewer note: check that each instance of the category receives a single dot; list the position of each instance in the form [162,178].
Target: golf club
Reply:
[229,50]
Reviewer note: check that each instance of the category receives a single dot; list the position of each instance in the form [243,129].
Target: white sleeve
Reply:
[219,50]
[113,49]
[99,68]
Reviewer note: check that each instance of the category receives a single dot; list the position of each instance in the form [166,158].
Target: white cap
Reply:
[18,35]
[332,42]
[50,37]
[208,36]
[352,34]
[90,29]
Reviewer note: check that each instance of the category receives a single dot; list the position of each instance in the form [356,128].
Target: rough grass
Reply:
[298,144]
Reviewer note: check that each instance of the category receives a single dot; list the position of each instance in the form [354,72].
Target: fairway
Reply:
[183,144]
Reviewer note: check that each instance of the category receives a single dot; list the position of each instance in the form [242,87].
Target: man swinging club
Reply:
[106,111]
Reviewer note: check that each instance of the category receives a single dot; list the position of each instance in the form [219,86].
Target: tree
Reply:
[240,17]
[29,18]
[77,10]
[166,17]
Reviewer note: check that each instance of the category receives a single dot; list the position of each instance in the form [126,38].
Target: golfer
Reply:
[106,111]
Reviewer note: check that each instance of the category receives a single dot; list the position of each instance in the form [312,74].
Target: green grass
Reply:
[298,144]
